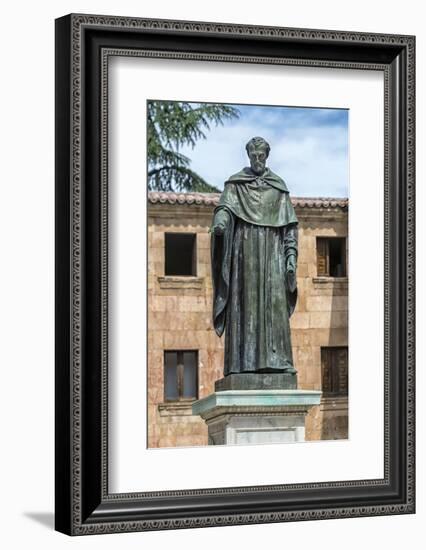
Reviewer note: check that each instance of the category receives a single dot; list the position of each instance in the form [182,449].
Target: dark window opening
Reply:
[331,257]
[180,375]
[180,249]
[334,371]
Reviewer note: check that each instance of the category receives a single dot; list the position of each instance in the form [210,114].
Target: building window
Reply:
[181,256]
[334,371]
[180,375]
[331,257]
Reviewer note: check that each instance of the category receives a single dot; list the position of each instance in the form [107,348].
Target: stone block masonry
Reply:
[179,315]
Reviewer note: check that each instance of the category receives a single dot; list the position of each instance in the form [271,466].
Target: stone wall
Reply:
[179,317]
[320,318]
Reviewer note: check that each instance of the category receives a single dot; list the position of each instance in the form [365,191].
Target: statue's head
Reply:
[258,151]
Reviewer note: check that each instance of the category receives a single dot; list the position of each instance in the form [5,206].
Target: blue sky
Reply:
[309,148]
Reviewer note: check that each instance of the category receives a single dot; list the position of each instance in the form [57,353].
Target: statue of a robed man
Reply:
[254,256]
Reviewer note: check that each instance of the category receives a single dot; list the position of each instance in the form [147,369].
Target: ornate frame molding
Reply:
[84,505]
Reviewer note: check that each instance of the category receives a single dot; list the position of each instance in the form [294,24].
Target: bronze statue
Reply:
[254,257]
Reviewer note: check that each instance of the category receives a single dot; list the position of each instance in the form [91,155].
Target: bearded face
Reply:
[258,156]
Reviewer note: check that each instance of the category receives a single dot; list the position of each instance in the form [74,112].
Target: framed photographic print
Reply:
[234,274]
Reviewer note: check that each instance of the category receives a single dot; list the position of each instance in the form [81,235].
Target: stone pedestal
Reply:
[254,416]
[257,381]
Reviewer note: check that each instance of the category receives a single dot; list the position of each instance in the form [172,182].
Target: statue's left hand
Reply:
[291,280]
[291,274]
[291,263]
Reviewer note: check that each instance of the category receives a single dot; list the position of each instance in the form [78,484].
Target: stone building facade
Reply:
[185,356]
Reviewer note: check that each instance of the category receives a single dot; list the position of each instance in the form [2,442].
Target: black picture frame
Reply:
[83,504]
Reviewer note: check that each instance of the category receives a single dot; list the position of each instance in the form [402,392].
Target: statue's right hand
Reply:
[218,229]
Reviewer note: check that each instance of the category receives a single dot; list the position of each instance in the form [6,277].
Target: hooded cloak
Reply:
[252,297]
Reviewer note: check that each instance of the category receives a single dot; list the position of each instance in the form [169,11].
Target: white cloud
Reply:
[313,163]
[312,159]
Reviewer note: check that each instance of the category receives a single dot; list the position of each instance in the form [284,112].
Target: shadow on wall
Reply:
[47,519]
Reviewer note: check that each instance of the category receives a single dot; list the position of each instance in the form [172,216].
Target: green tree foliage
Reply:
[172,124]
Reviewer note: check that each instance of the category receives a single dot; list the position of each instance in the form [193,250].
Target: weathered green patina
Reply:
[257,398]
[254,255]
[256,381]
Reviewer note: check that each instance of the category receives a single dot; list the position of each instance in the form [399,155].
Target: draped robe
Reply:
[252,297]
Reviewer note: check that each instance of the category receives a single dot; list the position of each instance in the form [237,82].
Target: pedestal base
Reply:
[244,417]
[257,381]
